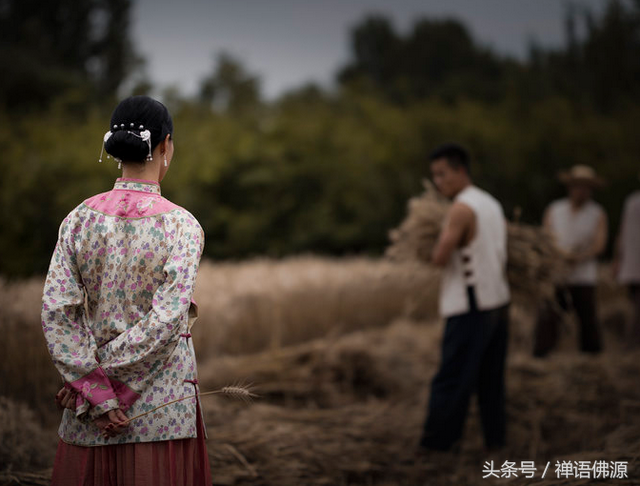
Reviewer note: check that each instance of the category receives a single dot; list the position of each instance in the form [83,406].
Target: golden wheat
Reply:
[534,264]
[234,391]
[346,403]
[265,304]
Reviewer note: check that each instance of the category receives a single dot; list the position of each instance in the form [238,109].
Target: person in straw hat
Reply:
[579,225]
[474,300]
[627,259]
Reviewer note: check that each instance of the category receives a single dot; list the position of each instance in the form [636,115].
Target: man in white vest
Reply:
[627,261]
[474,300]
[579,225]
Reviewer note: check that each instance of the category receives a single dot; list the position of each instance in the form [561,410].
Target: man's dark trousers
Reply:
[473,360]
[582,298]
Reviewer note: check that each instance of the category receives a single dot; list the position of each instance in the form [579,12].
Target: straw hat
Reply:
[581,173]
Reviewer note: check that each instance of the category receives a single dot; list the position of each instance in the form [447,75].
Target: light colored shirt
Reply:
[630,241]
[133,256]
[575,231]
[482,263]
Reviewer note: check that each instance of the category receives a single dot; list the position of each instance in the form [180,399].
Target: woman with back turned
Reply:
[117,311]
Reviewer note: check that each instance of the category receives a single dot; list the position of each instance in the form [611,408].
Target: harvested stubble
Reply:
[347,409]
[23,347]
[24,443]
[24,478]
[571,407]
[333,372]
[534,263]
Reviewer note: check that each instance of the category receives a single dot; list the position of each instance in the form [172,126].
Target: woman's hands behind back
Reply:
[112,423]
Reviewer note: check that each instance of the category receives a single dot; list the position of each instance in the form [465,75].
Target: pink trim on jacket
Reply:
[126,395]
[131,198]
[94,387]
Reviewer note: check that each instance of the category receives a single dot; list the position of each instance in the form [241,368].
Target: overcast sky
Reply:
[291,42]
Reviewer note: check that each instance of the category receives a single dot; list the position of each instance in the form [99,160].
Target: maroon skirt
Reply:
[182,462]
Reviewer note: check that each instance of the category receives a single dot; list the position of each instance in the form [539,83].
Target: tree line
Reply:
[316,170]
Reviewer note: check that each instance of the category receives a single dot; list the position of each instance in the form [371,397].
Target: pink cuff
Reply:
[126,395]
[94,387]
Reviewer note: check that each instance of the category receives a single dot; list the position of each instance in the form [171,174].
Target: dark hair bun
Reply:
[131,117]
[126,146]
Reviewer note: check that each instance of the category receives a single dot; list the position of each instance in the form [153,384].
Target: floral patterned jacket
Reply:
[117,311]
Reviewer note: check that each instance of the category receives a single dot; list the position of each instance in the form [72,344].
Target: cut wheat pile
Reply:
[534,265]
[350,410]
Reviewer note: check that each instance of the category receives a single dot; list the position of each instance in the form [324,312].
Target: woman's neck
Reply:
[148,171]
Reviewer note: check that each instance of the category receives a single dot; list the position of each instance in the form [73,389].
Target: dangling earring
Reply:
[165,160]
[119,164]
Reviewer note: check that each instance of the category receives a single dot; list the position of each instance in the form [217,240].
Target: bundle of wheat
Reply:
[535,264]
[416,236]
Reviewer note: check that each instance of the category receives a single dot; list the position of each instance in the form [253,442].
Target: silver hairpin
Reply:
[145,135]
[104,140]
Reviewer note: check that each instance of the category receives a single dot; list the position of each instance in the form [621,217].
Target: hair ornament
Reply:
[144,135]
[104,140]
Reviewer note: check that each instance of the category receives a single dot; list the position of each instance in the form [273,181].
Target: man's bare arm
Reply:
[456,230]
[600,240]
[546,220]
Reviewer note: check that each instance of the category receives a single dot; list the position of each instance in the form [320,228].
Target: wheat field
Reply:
[341,353]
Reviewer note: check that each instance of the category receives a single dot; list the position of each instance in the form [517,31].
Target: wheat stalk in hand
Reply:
[241,392]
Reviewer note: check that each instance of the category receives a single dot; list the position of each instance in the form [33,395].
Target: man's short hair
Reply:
[455,154]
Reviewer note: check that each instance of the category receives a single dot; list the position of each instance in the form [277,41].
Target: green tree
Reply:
[438,58]
[599,67]
[63,48]
[230,88]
